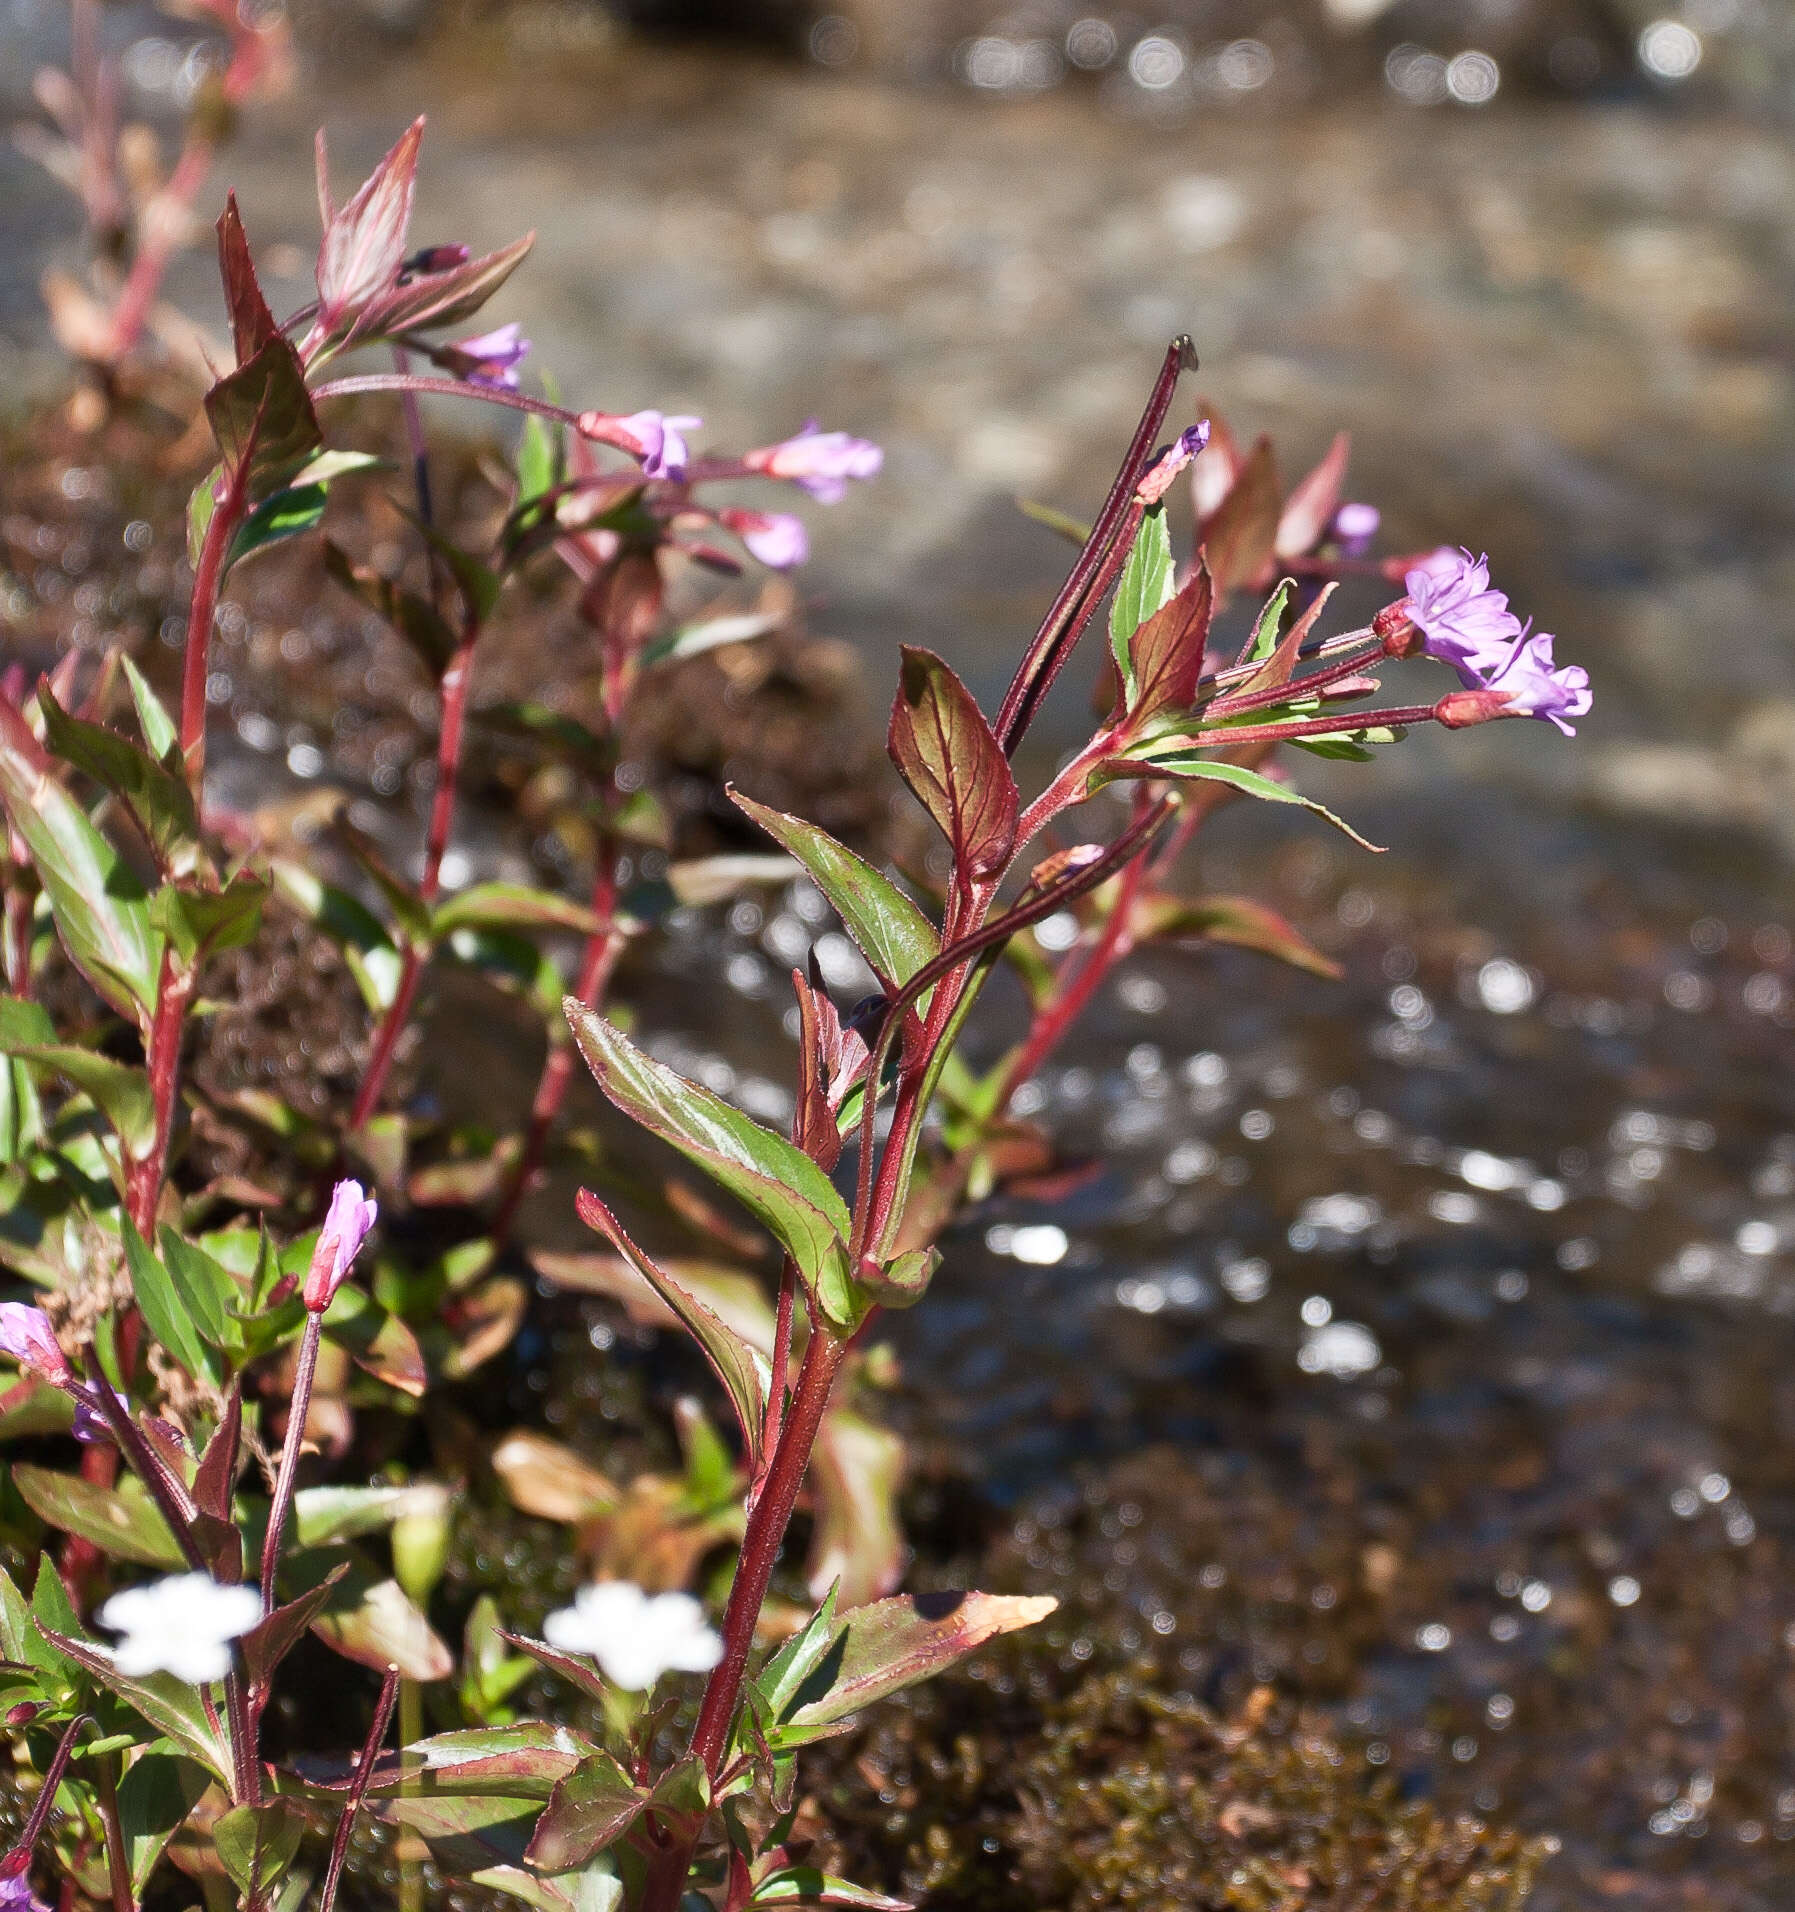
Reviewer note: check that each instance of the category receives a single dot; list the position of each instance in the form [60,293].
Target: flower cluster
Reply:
[1467,624]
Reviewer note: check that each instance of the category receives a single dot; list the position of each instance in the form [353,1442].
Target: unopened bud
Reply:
[1156,480]
[24,1713]
[421,1538]
[1459,709]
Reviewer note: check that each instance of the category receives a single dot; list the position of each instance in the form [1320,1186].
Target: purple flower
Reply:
[821,462]
[1156,480]
[1354,526]
[16,1895]
[91,1427]
[660,442]
[1462,621]
[776,538]
[493,357]
[1536,687]
[26,1334]
[346,1224]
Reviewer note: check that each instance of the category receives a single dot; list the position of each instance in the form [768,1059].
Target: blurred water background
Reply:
[1500,1230]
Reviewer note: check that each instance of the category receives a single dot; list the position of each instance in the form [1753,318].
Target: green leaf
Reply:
[160,736]
[512,906]
[207,1292]
[287,513]
[323,1516]
[1145,584]
[892,933]
[164,1310]
[527,1761]
[258,1843]
[805,1885]
[590,1809]
[478,584]
[201,923]
[171,1706]
[100,909]
[1268,624]
[1248,782]
[120,1092]
[946,752]
[125,1524]
[1062,523]
[377,1342]
[373,958]
[262,417]
[155,1796]
[539,459]
[414,618]
[709,634]
[200,508]
[878,1650]
[778,1183]
[785,1674]
[158,800]
[744,1370]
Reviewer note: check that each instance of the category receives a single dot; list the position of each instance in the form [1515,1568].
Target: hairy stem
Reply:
[46,1798]
[303,1375]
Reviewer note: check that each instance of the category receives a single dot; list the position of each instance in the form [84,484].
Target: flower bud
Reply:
[1459,709]
[421,1537]
[24,1713]
[1156,480]
[346,1226]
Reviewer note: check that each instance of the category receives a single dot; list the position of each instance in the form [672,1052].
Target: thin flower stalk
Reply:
[358,1789]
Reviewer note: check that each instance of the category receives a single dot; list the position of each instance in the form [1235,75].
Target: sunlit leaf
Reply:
[946,752]
[1145,584]
[589,1810]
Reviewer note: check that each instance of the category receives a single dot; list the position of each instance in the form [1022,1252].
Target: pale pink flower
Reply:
[346,1225]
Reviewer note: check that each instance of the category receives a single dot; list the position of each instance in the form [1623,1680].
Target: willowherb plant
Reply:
[168,1340]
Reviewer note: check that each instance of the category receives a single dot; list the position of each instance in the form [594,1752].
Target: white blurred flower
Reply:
[634,1636]
[182,1625]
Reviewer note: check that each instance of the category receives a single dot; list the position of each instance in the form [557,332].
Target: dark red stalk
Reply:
[1070,610]
[46,1799]
[305,1371]
[143,1174]
[1293,688]
[761,1545]
[229,507]
[427,387]
[358,1788]
[1231,735]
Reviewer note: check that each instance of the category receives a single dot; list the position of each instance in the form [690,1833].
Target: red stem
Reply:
[457,680]
[46,1798]
[303,1375]
[761,1545]
[229,506]
[118,1864]
[358,1788]
[144,1173]
[162,229]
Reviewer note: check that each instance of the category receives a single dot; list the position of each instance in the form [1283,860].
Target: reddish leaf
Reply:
[1309,509]
[217,1470]
[364,243]
[590,1809]
[880,1649]
[527,1761]
[262,417]
[1239,536]
[946,752]
[544,1478]
[443,298]
[252,324]
[385,1629]
[1236,920]
[857,1545]
[578,1673]
[275,1636]
[1167,652]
